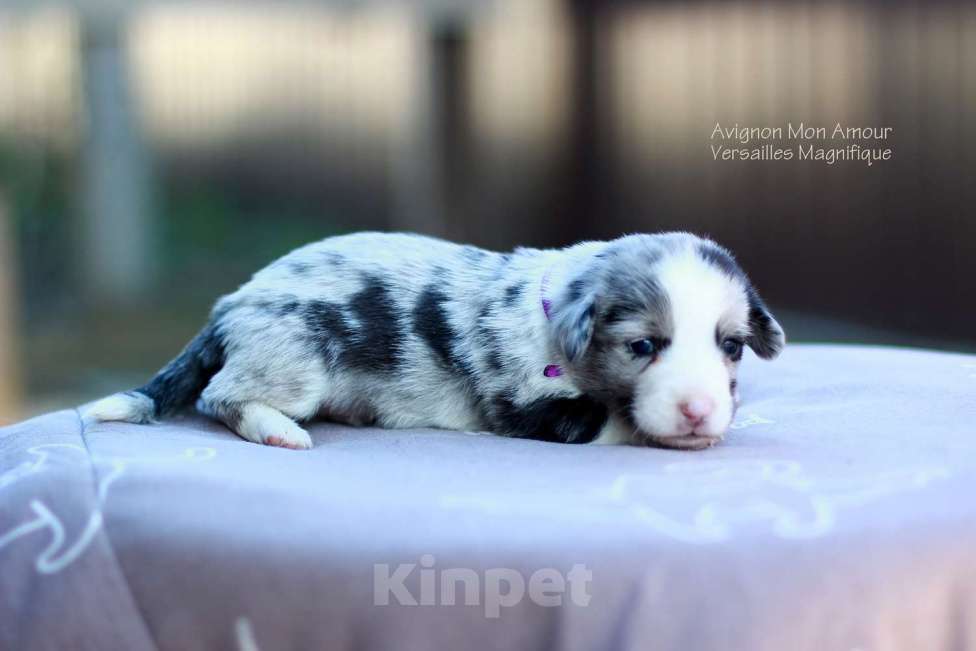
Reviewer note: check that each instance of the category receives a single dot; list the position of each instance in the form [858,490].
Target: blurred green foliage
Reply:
[37,183]
[207,237]
[210,237]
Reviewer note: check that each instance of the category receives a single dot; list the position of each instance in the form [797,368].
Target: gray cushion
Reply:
[839,514]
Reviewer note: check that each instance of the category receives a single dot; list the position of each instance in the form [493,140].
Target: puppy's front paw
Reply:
[686,442]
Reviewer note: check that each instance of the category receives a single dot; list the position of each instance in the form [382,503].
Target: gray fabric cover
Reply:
[839,514]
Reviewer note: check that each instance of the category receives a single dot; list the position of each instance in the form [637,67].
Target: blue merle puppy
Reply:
[636,340]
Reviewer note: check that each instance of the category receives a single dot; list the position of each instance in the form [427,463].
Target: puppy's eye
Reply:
[732,347]
[643,347]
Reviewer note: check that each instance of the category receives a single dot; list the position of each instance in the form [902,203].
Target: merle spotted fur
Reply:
[407,331]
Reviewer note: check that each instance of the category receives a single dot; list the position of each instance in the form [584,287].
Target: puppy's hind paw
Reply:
[263,424]
[296,440]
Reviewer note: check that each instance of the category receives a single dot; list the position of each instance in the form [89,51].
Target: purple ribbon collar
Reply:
[551,370]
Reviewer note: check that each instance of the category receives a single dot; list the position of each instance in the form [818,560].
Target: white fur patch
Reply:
[615,432]
[693,366]
[127,407]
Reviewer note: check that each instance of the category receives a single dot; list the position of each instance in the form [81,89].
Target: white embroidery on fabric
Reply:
[41,453]
[704,502]
[58,554]
[781,495]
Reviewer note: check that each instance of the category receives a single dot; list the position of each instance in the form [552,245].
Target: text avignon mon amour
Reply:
[804,150]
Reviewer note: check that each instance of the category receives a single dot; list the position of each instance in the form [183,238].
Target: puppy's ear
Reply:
[766,336]
[573,318]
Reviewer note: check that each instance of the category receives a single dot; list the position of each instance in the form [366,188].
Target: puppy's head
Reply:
[655,327]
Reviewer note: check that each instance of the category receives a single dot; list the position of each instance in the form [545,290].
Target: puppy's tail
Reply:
[177,385]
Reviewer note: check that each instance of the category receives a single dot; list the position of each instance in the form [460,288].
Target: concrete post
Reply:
[117,229]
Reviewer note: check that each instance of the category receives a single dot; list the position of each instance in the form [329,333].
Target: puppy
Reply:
[636,341]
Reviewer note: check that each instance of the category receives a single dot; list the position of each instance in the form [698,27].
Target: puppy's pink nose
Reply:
[697,409]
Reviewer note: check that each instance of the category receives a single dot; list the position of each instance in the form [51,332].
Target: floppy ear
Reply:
[766,336]
[573,320]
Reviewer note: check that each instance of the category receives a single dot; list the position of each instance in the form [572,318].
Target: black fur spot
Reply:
[613,315]
[513,293]
[299,268]
[378,344]
[495,359]
[486,310]
[720,258]
[487,338]
[635,292]
[621,311]
[575,290]
[335,259]
[559,420]
[286,307]
[430,323]
[328,328]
